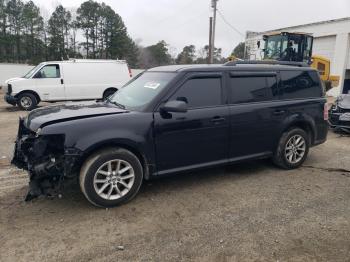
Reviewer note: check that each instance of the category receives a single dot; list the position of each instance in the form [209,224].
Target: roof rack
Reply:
[266,62]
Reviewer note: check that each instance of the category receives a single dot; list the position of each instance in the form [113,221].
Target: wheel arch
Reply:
[305,124]
[116,144]
[30,92]
[114,89]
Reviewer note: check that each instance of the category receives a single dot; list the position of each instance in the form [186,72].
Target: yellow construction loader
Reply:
[297,47]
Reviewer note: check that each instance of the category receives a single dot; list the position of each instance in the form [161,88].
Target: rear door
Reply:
[198,137]
[49,84]
[254,113]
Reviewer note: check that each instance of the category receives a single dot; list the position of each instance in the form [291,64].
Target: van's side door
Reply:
[49,83]
[198,137]
[254,113]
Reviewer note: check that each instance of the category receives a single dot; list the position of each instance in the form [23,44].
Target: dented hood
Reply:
[343,101]
[53,114]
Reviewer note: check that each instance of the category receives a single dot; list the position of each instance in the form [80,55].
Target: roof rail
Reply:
[266,62]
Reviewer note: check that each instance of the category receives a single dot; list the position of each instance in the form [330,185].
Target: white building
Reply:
[331,40]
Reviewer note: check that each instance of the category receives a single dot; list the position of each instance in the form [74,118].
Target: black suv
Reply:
[173,119]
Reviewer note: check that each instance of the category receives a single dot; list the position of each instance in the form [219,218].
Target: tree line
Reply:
[26,37]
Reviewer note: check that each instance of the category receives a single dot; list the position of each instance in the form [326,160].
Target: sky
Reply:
[185,22]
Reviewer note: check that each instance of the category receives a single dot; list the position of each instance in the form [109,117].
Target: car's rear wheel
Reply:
[27,101]
[111,177]
[292,149]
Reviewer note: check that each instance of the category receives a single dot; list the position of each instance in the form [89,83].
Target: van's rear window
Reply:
[300,84]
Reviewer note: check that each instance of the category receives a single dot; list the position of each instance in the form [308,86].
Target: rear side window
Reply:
[300,84]
[249,89]
[200,92]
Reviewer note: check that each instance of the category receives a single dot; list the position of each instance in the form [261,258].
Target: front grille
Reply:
[9,89]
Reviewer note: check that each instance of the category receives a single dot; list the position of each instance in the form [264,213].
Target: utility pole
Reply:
[213,24]
[210,59]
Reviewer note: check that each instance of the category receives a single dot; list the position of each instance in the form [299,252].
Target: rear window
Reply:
[300,84]
[246,89]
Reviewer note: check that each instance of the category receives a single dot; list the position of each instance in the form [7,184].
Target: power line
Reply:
[226,22]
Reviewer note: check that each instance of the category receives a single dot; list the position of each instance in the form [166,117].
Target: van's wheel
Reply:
[292,149]
[111,177]
[108,93]
[27,101]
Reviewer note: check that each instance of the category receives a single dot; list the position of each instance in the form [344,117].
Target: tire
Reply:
[285,156]
[95,174]
[108,93]
[27,101]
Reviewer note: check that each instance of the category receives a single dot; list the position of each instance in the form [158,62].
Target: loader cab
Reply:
[284,46]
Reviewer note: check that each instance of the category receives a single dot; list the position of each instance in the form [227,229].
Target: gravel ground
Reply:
[247,212]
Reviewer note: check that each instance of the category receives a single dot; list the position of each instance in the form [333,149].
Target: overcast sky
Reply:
[184,22]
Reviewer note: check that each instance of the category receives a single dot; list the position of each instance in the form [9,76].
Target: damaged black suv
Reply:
[169,120]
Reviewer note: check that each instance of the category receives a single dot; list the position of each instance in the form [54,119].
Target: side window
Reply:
[321,68]
[49,71]
[247,89]
[300,84]
[200,92]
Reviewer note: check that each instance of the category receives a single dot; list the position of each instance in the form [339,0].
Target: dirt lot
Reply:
[247,212]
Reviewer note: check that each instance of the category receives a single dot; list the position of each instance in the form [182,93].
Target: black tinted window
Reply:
[200,92]
[253,89]
[300,84]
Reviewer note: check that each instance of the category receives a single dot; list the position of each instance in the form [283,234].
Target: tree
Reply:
[203,57]
[58,30]
[187,55]
[33,30]
[155,55]
[239,50]
[87,18]
[14,10]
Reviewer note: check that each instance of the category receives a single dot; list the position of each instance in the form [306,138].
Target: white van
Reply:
[77,79]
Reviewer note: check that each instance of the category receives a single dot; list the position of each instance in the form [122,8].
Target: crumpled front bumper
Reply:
[46,159]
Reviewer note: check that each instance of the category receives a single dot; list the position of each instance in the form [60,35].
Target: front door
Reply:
[198,137]
[49,83]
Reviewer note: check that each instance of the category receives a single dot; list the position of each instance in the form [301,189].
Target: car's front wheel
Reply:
[111,177]
[27,101]
[292,149]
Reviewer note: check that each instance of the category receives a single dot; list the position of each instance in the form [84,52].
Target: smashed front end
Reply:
[45,158]
[339,114]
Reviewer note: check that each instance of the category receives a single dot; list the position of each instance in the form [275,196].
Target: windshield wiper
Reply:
[116,103]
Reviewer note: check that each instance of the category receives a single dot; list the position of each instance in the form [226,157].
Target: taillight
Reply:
[130,73]
[325,112]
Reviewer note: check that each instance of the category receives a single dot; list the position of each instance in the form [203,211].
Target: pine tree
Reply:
[58,30]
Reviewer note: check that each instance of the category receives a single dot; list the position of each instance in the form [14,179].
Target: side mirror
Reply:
[175,106]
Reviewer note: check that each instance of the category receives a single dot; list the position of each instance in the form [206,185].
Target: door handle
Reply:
[279,112]
[61,81]
[217,119]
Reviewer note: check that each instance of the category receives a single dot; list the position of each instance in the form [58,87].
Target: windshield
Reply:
[140,91]
[274,47]
[31,72]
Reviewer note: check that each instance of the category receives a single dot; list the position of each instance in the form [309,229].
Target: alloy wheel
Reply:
[114,179]
[295,149]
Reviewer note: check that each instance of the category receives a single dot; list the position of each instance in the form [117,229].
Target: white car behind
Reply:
[67,81]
